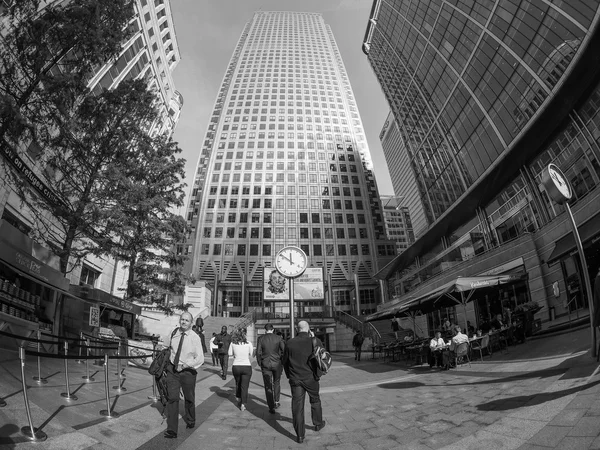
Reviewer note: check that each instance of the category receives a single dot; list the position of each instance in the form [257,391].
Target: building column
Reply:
[357,290]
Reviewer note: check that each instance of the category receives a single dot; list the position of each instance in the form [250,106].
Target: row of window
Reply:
[292,233]
[282,177]
[281,190]
[280,217]
[302,166]
[267,249]
[290,203]
[290,155]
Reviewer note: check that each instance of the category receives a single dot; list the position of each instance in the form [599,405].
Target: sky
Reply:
[207,33]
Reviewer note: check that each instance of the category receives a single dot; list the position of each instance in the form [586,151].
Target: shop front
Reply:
[32,287]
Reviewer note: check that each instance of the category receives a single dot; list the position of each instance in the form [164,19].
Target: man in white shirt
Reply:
[186,357]
[214,348]
[436,346]
[458,338]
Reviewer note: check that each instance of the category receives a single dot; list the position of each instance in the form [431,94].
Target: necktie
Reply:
[178,353]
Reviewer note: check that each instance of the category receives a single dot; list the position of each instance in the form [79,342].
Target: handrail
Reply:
[245,320]
[366,328]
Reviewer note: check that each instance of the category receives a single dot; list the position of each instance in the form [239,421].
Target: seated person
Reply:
[498,323]
[458,338]
[485,326]
[470,329]
[436,345]
[408,338]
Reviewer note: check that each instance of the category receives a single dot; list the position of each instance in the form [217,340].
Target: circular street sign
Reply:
[556,184]
[291,261]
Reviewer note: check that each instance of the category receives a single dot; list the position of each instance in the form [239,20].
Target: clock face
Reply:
[291,262]
[561,184]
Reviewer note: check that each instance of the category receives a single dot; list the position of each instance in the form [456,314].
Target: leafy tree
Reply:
[48,50]
[85,158]
[144,224]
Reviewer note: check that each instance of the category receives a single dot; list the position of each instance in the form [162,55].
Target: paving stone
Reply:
[568,417]
[549,435]
[575,443]
[586,426]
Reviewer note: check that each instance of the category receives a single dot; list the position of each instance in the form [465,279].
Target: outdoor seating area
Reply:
[419,352]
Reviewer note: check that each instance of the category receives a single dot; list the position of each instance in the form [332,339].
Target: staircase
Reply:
[368,330]
[384,328]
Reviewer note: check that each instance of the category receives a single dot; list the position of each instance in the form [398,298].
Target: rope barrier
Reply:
[52,355]
[23,338]
[62,338]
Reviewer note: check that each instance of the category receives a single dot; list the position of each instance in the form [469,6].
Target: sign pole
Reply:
[292,330]
[586,276]
[559,189]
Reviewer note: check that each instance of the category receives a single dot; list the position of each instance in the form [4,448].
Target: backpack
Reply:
[159,362]
[322,359]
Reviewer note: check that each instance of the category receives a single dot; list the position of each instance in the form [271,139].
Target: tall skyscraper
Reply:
[485,94]
[285,161]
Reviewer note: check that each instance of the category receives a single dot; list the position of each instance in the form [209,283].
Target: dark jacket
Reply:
[223,341]
[269,351]
[357,340]
[297,357]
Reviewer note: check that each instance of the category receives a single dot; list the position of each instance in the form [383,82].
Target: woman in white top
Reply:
[214,349]
[241,350]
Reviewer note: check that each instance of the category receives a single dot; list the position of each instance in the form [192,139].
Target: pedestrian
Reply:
[199,329]
[395,326]
[214,349]
[186,357]
[297,363]
[269,351]
[357,342]
[241,366]
[223,341]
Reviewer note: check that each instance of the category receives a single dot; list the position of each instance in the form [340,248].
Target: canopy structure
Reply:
[459,291]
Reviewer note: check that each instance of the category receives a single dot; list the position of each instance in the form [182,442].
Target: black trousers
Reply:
[215,356]
[272,382]
[357,352]
[186,380]
[242,375]
[299,390]
[224,361]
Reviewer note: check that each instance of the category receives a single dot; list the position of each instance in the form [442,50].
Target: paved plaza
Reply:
[541,394]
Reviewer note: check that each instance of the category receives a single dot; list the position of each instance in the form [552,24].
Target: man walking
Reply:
[297,363]
[269,351]
[186,357]
[223,340]
[357,342]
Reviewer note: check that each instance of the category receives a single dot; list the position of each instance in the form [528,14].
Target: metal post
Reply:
[292,330]
[80,361]
[67,394]
[118,387]
[586,276]
[87,377]
[39,378]
[107,412]
[153,397]
[33,434]
[2,403]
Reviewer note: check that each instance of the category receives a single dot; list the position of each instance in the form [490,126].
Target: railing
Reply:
[245,320]
[366,328]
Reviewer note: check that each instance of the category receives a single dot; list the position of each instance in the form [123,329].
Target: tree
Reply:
[91,149]
[146,230]
[48,51]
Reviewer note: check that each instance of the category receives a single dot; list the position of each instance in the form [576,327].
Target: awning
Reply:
[99,296]
[445,295]
[566,244]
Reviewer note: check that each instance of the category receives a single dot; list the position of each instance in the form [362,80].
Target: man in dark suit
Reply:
[223,340]
[299,370]
[269,351]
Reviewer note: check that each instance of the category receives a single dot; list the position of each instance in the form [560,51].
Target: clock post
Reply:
[291,262]
[559,189]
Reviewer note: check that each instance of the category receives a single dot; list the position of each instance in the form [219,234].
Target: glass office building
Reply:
[485,94]
[285,161]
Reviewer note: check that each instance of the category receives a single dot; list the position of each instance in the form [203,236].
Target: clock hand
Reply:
[291,257]
[285,257]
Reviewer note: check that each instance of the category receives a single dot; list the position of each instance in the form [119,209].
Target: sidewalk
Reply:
[542,394]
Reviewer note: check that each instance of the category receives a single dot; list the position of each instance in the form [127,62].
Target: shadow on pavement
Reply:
[531,400]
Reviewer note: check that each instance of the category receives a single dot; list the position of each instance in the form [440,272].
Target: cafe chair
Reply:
[481,345]
[461,353]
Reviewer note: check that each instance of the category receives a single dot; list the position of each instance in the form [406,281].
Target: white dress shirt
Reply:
[436,343]
[191,350]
